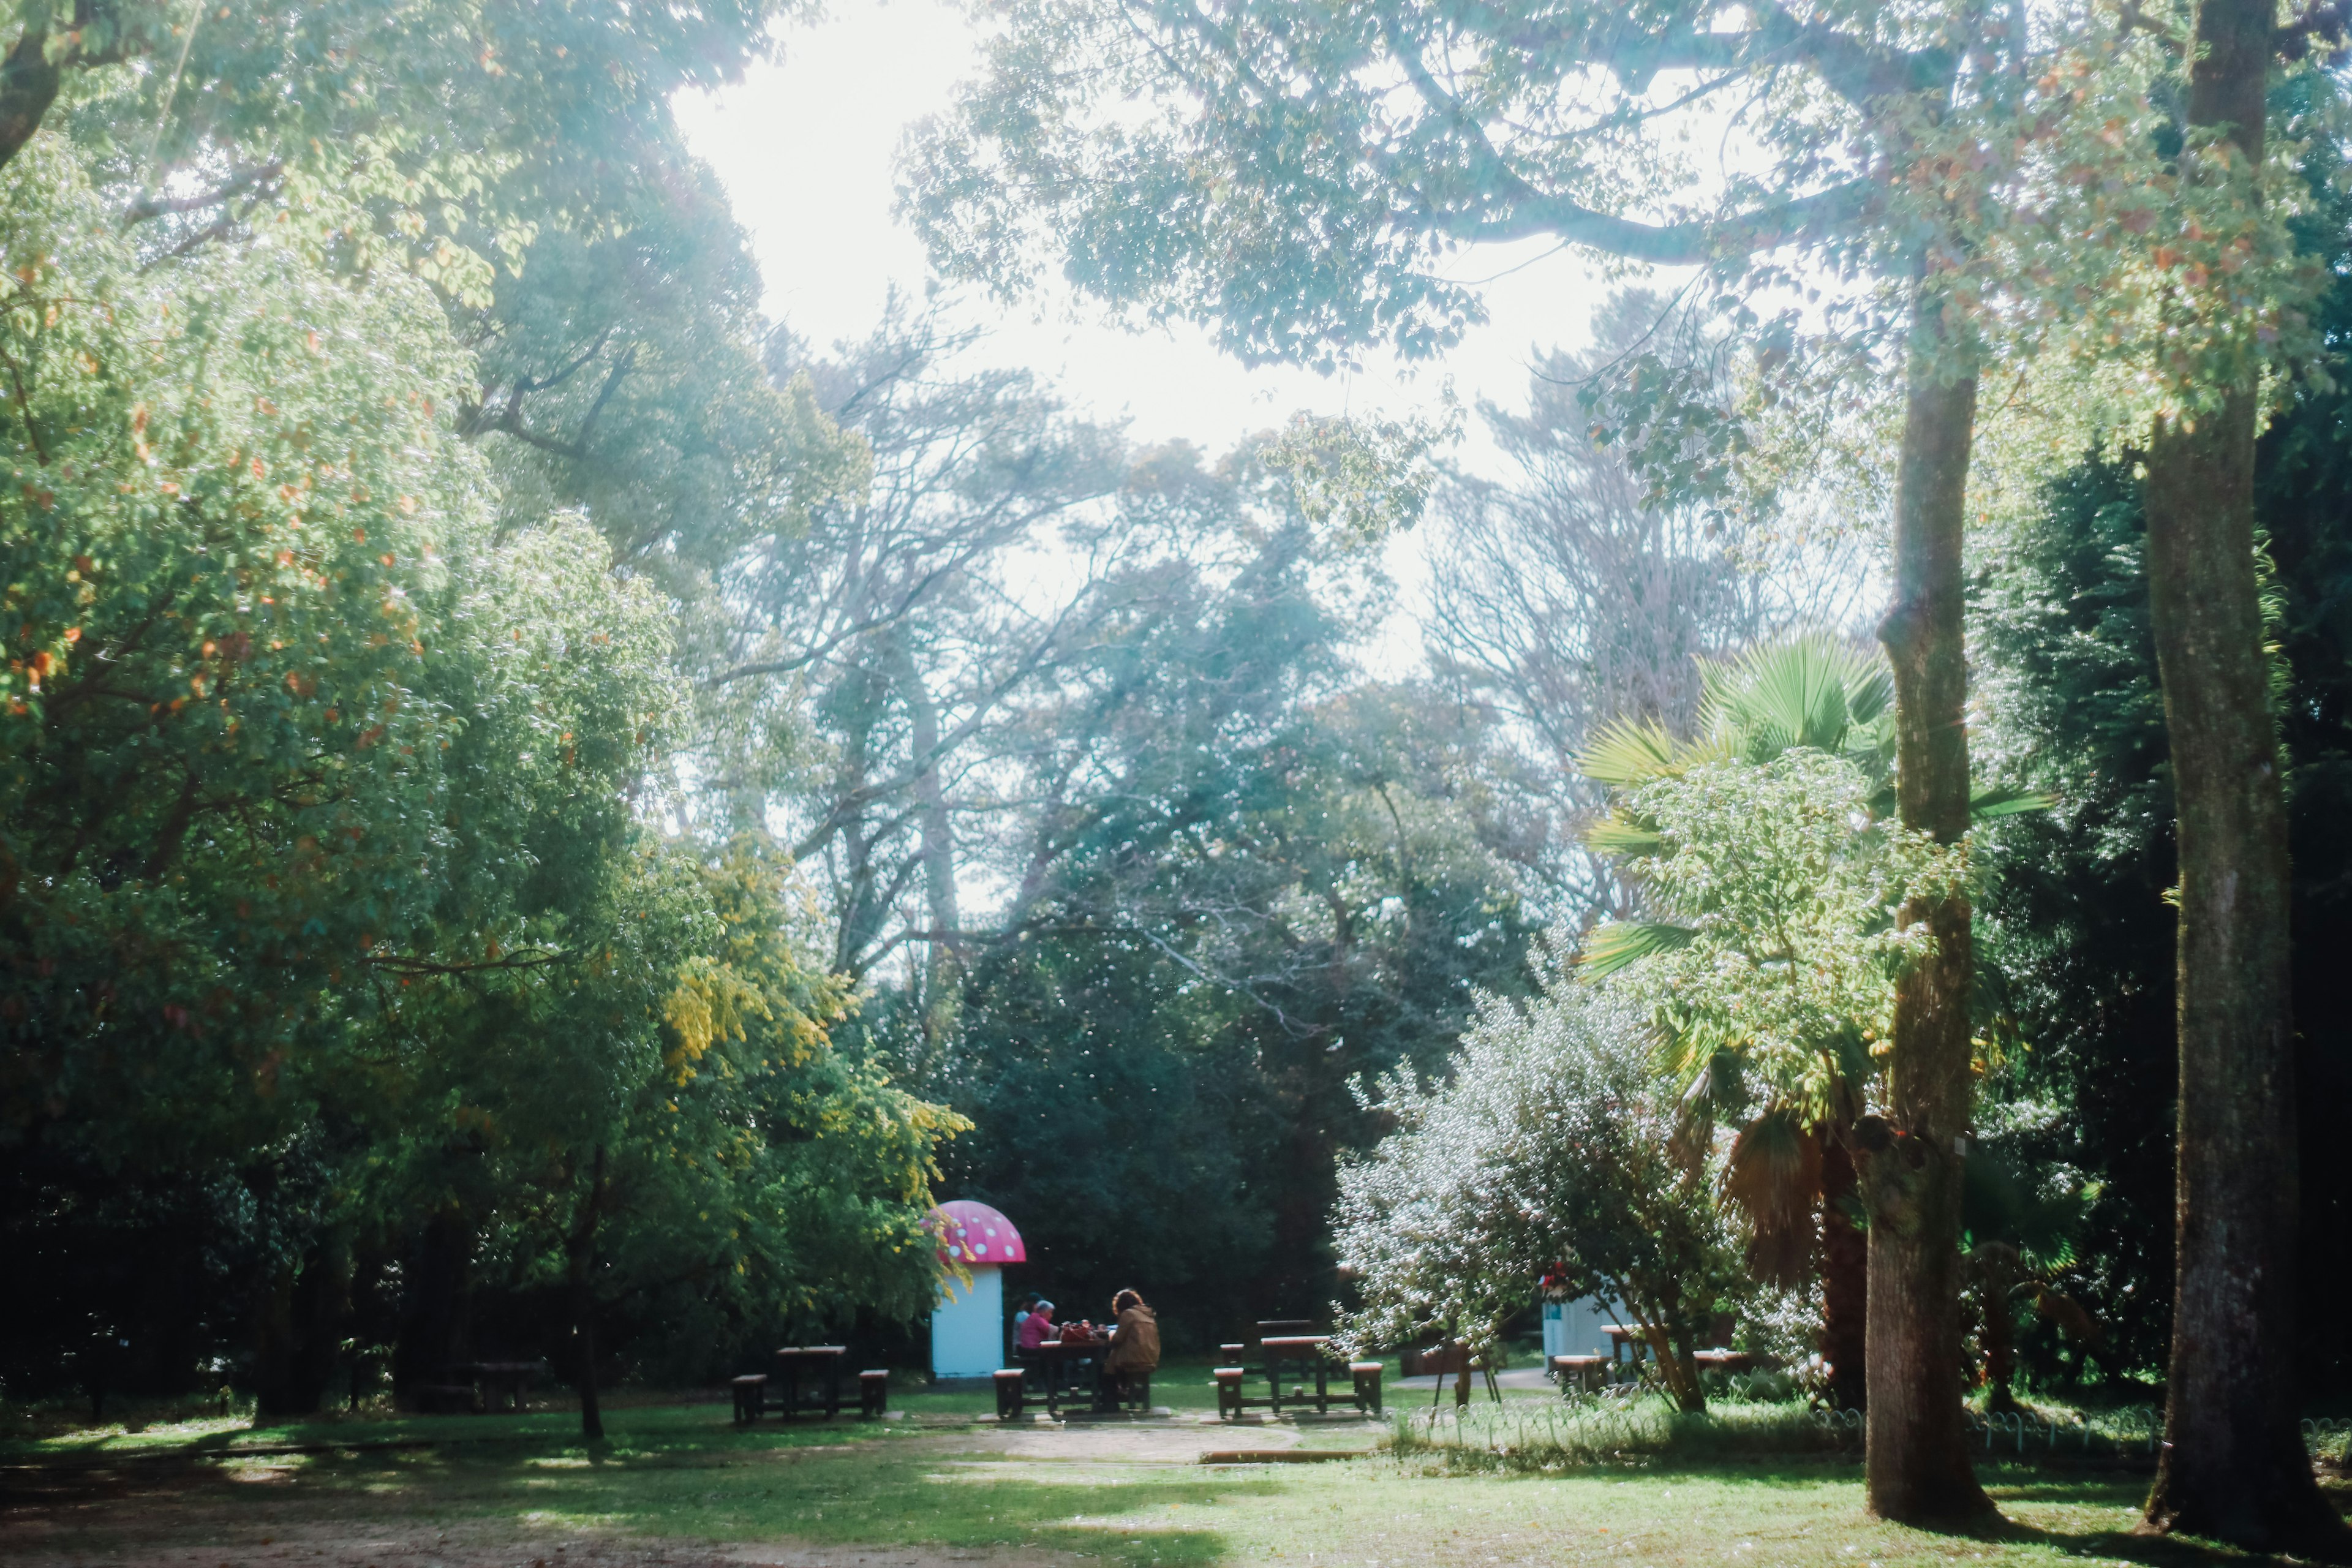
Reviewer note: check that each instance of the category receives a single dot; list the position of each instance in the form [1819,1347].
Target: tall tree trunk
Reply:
[297,1328]
[1845,1280]
[580,1262]
[1918,1469]
[2233,1464]
[433,1328]
[942,983]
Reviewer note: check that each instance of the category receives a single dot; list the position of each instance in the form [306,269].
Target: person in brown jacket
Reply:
[1134,1342]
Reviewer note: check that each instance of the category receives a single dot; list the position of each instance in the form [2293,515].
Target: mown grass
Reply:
[1739,1487]
[883,1487]
[685,1473]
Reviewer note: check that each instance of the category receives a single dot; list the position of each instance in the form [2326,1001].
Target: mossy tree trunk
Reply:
[1916,1466]
[2234,1463]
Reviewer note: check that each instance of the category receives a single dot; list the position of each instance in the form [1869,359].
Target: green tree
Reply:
[686,1144]
[1572,597]
[323,865]
[1770,944]
[1550,1151]
[2082,920]
[1241,877]
[1304,213]
[235,541]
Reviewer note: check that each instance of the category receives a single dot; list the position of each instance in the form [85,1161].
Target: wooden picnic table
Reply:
[1300,1356]
[1309,1354]
[494,1378]
[1583,1373]
[1069,1371]
[1621,1339]
[1724,1361]
[820,1366]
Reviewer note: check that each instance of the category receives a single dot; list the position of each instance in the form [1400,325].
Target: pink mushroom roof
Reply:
[974,1234]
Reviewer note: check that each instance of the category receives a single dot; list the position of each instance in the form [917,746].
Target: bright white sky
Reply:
[806,147]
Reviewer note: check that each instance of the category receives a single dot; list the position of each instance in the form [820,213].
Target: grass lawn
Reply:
[937,1486]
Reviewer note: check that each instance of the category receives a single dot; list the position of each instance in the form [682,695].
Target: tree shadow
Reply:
[2156,1550]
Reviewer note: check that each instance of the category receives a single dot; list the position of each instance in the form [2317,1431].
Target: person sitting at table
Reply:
[1038,1326]
[1134,1342]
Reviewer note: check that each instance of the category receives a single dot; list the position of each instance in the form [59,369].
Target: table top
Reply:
[813,1351]
[1070,1347]
[1295,1341]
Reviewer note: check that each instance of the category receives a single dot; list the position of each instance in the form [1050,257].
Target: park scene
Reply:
[1175,782]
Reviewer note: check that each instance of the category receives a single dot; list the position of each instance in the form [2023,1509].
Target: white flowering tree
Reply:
[1550,1152]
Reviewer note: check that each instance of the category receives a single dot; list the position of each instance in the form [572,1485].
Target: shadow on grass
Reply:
[671,1483]
[2157,1551]
[817,1493]
[2014,1485]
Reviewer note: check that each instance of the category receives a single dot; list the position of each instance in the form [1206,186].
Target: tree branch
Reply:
[28,85]
[145,207]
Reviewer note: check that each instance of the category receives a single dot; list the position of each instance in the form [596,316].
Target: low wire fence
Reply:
[1529,1434]
[2115,1434]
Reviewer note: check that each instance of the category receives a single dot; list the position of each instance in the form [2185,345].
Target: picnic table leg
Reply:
[1322,1394]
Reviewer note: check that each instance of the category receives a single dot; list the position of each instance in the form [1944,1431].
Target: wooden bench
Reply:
[750,1397]
[1229,1392]
[1009,1382]
[501,1382]
[874,1391]
[1366,1376]
[1132,1392]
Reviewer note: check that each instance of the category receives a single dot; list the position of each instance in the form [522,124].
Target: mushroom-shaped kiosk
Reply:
[968,1324]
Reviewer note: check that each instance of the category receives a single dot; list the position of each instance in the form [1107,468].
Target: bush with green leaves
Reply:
[1552,1153]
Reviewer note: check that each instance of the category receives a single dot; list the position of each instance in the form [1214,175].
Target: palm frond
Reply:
[1622,943]
[1810,690]
[1986,802]
[1773,1178]
[1629,753]
[1622,835]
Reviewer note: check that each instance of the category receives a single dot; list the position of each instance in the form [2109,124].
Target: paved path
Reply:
[1509,1378]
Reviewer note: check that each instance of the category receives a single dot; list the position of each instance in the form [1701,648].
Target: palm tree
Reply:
[1791,1172]
[2016,1234]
